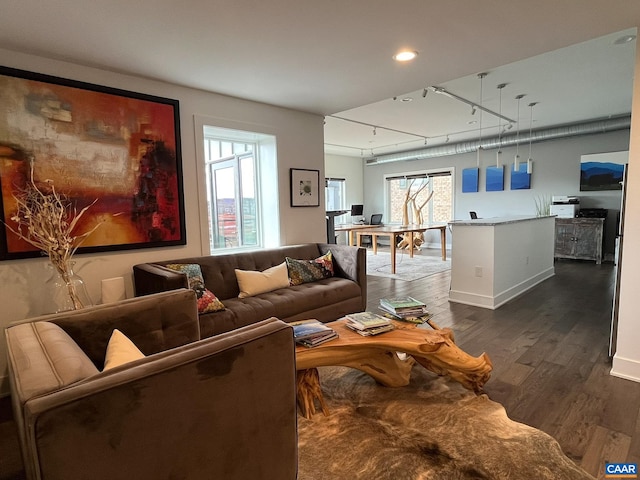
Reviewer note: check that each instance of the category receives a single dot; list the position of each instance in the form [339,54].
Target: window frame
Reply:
[265,174]
[426,173]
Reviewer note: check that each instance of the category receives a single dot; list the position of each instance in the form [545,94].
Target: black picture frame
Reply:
[305,187]
[120,147]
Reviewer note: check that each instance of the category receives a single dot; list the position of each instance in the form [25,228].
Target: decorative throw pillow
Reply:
[252,283]
[207,301]
[305,271]
[120,350]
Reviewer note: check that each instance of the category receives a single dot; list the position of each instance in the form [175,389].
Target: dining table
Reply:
[392,231]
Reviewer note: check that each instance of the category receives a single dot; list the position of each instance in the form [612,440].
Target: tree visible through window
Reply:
[437,210]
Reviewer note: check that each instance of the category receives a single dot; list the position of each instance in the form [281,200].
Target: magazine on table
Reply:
[401,304]
[318,339]
[304,329]
[365,320]
[370,331]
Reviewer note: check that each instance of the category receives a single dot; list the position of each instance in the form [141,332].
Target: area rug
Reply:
[407,268]
[432,429]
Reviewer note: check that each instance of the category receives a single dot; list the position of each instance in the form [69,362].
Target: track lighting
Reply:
[446,93]
[424,92]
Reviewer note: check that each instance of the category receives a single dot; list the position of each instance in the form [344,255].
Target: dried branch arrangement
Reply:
[47,219]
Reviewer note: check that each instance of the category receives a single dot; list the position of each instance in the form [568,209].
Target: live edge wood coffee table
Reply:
[378,356]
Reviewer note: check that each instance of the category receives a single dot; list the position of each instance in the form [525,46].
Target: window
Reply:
[231,193]
[334,191]
[438,209]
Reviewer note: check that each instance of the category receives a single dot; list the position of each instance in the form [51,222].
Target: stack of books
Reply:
[311,333]
[368,323]
[407,309]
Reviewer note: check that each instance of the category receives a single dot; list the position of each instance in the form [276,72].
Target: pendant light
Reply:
[499,152]
[481,77]
[530,159]
[516,159]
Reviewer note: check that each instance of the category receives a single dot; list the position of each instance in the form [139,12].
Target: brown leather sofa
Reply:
[326,300]
[222,407]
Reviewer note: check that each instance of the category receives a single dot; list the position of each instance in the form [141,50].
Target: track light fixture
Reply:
[445,92]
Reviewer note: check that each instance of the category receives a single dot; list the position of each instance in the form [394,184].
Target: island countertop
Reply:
[493,221]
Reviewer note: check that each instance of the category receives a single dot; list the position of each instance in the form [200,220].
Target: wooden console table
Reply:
[434,349]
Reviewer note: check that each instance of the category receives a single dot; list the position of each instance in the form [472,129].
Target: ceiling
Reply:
[334,57]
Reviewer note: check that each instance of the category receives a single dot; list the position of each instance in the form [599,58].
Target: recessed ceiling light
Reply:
[624,39]
[407,99]
[405,55]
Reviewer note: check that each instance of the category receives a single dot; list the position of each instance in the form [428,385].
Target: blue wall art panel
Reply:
[495,179]
[470,180]
[520,179]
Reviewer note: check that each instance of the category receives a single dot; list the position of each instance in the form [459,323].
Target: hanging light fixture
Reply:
[481,77]
[499,152]
[530,159]
[516,159]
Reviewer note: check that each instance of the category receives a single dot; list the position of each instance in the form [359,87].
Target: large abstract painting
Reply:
[94,143]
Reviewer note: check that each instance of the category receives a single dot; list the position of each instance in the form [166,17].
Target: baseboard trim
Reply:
[496,301]
[625,368]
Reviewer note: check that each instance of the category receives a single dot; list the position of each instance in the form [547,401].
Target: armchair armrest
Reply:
[222,407]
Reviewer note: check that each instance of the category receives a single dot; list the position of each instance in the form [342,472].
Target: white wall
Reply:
[349,168]
[626,361]
[556,171]
[299,144]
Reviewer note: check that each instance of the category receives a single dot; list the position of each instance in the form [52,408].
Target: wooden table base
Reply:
[377,356]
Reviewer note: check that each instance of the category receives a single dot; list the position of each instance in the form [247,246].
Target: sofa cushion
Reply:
[305,271]
[120,350]
[207,301]
[254,283]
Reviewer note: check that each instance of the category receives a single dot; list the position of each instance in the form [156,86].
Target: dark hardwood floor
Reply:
[549,349]
[549,353]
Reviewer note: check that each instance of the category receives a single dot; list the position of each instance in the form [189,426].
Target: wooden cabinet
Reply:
[579,238]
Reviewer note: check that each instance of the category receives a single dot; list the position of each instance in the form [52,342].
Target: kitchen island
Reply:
[493,260]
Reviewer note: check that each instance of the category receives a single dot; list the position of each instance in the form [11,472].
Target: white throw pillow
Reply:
[252,283]
[120,350]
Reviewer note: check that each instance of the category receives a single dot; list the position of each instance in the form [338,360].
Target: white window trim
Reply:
[268,183]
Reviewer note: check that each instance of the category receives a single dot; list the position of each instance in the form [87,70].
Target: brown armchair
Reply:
[222,407]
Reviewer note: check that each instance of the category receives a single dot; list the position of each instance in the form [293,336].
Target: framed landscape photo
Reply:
[117,148]
[305,186]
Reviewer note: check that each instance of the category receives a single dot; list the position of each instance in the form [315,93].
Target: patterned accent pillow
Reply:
[207,301]
[305,271]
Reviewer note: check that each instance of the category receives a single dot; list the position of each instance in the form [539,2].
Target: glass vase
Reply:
[67,291]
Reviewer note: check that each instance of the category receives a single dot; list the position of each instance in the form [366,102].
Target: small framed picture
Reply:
[305,187]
